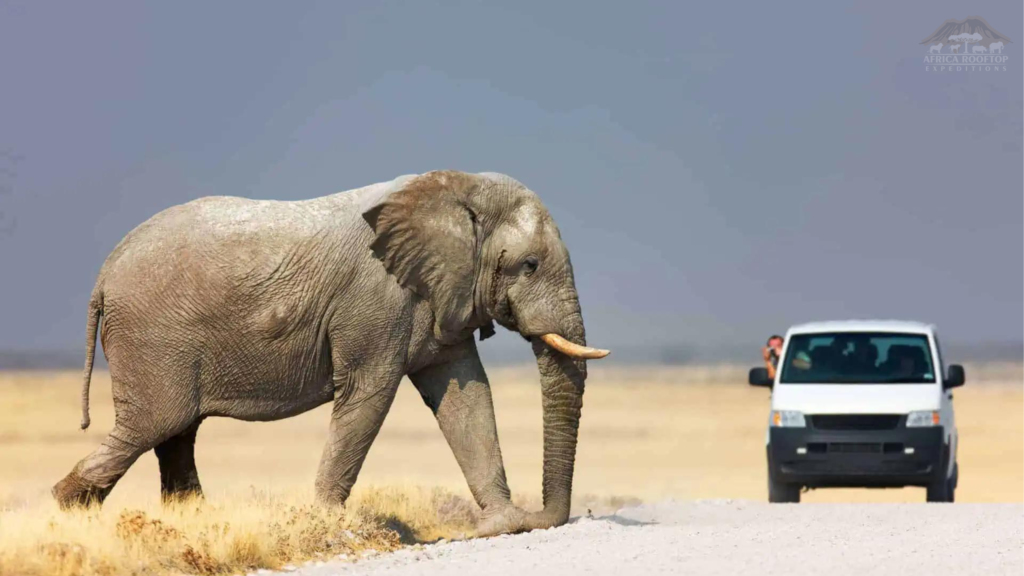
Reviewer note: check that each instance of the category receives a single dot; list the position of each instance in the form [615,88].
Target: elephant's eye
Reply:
[530,265]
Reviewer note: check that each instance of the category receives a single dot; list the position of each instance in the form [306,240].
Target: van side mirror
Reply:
[955,377]
[759,377]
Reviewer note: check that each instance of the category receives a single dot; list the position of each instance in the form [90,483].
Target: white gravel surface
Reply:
[736,537]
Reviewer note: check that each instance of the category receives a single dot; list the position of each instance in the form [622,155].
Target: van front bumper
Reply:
[856,458]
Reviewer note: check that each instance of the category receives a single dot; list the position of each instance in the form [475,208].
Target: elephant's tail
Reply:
[95,311]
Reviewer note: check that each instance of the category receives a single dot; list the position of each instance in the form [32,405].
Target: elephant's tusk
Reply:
[573,350]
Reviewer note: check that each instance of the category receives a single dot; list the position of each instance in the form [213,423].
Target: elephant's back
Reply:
[225,232]
[216,226]
[239,267]
[218,257]
[215,277]
[209,223]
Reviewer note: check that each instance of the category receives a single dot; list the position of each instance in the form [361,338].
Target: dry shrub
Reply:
[419,514]
[224,535]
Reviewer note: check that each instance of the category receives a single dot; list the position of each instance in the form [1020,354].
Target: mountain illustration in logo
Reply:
[973,29]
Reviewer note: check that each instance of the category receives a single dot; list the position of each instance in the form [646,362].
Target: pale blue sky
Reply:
[719,172]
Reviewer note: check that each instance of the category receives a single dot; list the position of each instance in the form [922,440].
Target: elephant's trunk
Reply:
[561,379]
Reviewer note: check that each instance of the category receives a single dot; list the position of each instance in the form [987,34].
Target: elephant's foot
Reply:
[179,479]
[547,518]
[181,493]
[74,492]
[179,483]
[507,520]
[512,520]
[92,479]
[331,495]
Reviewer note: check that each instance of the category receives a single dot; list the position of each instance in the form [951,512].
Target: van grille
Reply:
[857,468]
[856,421]
[855,447]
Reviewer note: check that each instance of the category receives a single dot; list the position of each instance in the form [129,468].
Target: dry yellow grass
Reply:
[225,535]
[647,433]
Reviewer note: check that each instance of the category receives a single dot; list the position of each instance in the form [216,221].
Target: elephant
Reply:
[261,310]
[996,48]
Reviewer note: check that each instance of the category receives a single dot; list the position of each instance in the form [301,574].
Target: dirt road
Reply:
[737,537]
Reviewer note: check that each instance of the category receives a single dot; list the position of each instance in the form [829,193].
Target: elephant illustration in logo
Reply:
[996,48]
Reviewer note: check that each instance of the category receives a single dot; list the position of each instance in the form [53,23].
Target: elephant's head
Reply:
[483,248]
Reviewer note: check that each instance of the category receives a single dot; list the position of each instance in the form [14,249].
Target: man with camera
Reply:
[771,354]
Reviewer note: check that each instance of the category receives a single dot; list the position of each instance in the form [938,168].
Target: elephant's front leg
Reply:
[458,393]
[360,405]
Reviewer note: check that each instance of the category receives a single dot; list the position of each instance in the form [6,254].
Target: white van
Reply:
[861,404]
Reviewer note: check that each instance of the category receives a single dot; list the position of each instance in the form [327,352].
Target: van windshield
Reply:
[858,358]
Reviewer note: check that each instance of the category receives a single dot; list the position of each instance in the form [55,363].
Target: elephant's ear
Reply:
[427,237]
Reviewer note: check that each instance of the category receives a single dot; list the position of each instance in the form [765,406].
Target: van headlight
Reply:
[923,418]
[788,419]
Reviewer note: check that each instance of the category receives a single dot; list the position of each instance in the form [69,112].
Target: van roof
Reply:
[864,326]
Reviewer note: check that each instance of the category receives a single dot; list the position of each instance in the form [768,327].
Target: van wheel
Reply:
[943,489]
[953,480]
[782,492]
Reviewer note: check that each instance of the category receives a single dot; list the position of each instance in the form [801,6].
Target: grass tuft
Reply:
[225,535]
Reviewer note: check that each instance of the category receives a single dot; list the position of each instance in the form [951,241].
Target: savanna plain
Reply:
[647,434]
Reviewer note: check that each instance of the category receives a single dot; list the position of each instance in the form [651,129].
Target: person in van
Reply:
[863,358]
[771,353]
[823,361]
[904,362]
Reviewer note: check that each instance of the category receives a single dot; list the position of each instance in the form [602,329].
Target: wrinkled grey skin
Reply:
[260,310]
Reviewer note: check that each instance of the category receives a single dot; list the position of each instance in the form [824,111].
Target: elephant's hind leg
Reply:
[145,416]
[92,479]
[178,475]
